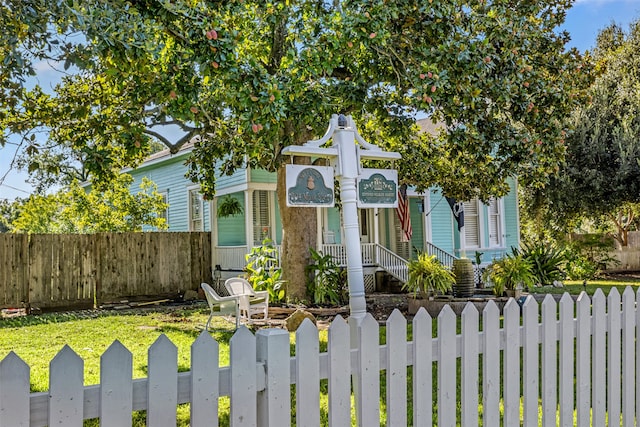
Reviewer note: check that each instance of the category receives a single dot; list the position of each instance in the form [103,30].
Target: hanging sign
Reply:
[310,186]
[377,188]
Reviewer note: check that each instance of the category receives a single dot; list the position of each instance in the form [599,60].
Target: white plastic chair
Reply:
[221,306]
[251,302]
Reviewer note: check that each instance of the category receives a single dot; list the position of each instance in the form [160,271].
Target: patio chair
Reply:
[251,301]
[221,306]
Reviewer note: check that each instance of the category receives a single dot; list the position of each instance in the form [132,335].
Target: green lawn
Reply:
[574,287]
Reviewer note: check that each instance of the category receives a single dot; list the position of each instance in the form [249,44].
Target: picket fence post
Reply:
[14,391]
[396,369]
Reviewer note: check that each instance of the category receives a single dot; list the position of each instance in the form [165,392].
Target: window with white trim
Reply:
[196,208]
[261,217]
[165,199]
[472,224]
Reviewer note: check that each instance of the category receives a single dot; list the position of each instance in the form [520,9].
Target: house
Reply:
[490,229]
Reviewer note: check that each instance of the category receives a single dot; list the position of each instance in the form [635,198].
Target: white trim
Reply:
[239,188]
[166,155]
[248,217]
[426,219]
[190,190]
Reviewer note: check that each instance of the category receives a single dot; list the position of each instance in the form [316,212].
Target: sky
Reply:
[584,20]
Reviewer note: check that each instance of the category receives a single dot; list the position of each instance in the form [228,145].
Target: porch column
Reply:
[248,218]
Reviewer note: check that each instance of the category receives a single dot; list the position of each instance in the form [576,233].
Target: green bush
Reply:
[264,272]
[509,272]
[428,275]
[326,282]
[546,262]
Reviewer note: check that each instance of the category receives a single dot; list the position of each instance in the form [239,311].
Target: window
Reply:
[495,223]
[165,213]
[472,224]
[195,211]
[261,217]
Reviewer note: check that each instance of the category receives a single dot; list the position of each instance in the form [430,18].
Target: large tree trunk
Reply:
[299,226]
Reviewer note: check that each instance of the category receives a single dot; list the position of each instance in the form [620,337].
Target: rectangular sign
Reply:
[377,188]
[309,186]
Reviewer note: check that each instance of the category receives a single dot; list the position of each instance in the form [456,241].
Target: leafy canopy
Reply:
[79,211]
[250,77]
[600,177]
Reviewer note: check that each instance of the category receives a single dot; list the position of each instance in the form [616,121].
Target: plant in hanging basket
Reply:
[229,206]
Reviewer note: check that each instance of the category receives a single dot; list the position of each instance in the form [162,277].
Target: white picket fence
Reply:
[579,366]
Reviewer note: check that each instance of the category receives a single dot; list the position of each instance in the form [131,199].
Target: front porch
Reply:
[231,260]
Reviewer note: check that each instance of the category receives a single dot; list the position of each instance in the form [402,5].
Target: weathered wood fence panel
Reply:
[76,270]
[599,334]
[13,269]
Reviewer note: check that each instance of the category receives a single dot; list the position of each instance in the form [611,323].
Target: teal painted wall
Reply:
[232,230]
[442,222]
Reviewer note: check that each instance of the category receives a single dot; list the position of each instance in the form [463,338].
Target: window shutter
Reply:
[472,224]
[261,223]
[494,223]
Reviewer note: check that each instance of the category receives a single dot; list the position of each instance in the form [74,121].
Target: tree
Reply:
[77,211]
[600,177]
[250,77]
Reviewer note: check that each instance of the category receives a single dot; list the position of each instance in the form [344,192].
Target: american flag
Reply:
[403,214]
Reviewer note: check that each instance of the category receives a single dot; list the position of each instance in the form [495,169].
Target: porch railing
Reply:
[373,254]
[443,256]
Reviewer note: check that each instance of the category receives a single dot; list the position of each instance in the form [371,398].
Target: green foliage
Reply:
[546,261]
[509,272]
[326,281]
[263,271]
[601,173]
[250,77]
[587,255]
[77,211]
[229,206]
[427,275]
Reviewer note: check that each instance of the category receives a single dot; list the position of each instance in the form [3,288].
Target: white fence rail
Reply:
[578,367]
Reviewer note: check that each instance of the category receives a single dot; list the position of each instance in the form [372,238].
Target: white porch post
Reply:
[248,218]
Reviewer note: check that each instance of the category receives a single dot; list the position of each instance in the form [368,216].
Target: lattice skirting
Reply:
[369,283]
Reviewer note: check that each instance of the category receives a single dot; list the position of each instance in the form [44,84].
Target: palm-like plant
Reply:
[428,275]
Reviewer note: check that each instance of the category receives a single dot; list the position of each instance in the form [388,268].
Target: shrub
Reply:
[264,272]
[326,282]
[546,261]
[428,275]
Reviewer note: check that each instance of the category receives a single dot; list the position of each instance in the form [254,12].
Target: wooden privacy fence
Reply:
[49,270]
[553,364]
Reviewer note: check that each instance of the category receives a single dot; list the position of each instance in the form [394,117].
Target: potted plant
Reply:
[510,274]
[428,276]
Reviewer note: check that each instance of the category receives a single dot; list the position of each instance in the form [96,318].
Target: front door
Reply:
[365,217]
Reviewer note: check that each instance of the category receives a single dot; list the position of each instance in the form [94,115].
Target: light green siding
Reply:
[333,223]
[232,230]
[239,177]
[262,176]
[443,232]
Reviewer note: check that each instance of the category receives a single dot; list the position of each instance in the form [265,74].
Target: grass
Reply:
[574,287]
